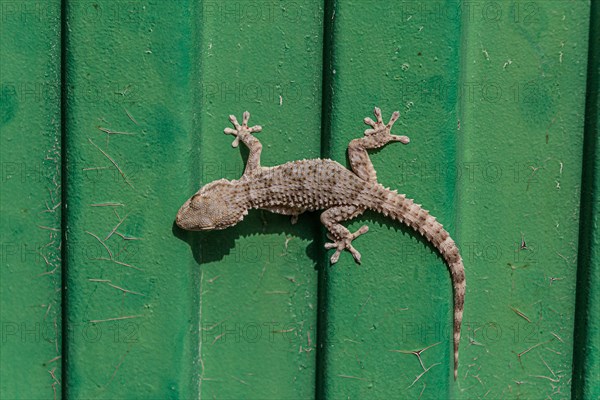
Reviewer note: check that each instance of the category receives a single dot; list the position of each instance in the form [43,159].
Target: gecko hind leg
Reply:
[340,235]
[244,133]
[378,136]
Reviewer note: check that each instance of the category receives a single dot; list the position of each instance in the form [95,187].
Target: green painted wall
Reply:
[111,116]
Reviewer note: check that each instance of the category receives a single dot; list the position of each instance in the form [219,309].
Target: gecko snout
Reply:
[182,216]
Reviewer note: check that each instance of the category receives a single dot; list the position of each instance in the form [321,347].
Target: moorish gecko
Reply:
[322,184]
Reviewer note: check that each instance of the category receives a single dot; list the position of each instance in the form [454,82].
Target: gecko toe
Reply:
[361,231]
[355,254]
[234,121]
[393,118]
[336,256]
[377,112]
[401,139]
[345,243]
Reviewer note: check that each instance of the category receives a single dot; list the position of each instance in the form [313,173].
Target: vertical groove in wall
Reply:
[64,193]
[326,112]
[586,350]
[327,85]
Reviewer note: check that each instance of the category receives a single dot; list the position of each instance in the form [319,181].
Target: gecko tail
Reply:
[405,210]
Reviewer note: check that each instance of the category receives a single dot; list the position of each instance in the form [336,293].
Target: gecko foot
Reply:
[381,130]
[345,243]
[241,130]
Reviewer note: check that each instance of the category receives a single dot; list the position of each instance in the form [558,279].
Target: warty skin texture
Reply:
[323,184]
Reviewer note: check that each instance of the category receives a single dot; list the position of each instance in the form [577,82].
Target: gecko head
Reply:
[215,206]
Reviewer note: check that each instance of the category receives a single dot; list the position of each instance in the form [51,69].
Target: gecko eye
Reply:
[196,201]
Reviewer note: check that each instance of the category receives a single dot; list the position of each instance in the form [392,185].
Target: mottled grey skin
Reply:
[322,184]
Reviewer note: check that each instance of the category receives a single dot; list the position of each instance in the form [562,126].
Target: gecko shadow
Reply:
[212,246]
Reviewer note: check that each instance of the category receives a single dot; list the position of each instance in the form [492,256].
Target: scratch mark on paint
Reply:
[417,353]
[108,205]
[53,359]
[111,132]
[353,377]
[97,321]
[124,237]
[109,283]
[118,366]
[112,161]
[521,354]
[219,337]
[520,314]
[56,381]
[110,254]
[556,336]
[421,375]
[362,307]
[49,228]
[116,227]
[239,380]
[131,116]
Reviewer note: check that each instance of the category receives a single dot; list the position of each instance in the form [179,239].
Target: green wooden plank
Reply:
[586,358]
[30,200]
[522,134]
[258,280]
[400,297]
[131,283]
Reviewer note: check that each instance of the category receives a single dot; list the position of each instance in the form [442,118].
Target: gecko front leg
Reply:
[244,133]
[340,235]
[378,136]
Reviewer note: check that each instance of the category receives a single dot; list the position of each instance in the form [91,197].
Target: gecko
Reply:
[323,184]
